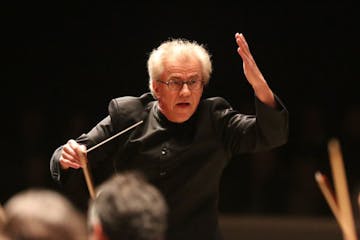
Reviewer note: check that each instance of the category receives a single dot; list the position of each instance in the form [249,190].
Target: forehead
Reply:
[182,67]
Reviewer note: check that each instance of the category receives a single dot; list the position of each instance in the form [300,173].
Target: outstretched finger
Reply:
[243,48]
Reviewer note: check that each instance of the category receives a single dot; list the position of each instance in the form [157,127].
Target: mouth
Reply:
[183,104]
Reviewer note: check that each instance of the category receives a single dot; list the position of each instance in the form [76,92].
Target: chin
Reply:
[180,115]
[181,119]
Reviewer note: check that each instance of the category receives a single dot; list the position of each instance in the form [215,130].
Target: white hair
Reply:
[177,48]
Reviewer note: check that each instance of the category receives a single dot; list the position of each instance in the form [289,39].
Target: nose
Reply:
[185,90]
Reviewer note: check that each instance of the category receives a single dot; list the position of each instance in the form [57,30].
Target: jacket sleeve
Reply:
[240,133]
[123,112]
[101,131]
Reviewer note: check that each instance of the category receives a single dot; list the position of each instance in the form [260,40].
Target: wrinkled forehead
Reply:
[182,68]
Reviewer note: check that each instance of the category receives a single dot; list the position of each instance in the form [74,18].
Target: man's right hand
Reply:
[71,155]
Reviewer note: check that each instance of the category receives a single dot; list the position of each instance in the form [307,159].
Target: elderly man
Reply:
[183,142]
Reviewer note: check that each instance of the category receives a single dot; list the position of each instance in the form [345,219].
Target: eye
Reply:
[176,82]
[192,82]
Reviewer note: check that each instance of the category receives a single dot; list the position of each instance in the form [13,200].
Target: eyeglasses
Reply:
[177,85]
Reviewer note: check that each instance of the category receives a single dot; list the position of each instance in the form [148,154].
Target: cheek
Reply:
[198,96]
[160,93]
[166,99]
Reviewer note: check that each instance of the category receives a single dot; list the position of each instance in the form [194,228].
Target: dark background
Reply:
[64,62]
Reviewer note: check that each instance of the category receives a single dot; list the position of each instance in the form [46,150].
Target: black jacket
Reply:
[185,161]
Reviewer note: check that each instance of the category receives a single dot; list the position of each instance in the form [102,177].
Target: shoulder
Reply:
[130,106]
[128,101]
[215,103]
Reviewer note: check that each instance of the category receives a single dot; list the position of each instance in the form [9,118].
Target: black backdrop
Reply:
[64,62]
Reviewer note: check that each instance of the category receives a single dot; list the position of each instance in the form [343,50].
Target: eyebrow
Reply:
[192,77]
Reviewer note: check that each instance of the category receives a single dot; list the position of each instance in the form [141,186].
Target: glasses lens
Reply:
[194,84]
[175,85]
[178,85]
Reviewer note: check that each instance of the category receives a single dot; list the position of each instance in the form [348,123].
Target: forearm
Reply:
[265,94]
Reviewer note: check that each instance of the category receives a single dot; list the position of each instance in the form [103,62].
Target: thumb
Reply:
[81,152]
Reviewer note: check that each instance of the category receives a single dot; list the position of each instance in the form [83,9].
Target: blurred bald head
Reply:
[43,214]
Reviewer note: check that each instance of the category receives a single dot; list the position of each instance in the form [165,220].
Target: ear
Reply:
[98,233]
[156,88]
